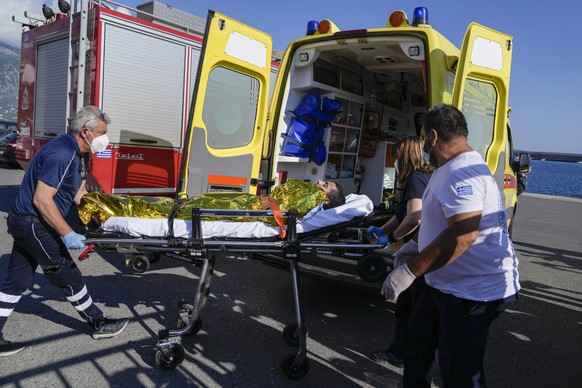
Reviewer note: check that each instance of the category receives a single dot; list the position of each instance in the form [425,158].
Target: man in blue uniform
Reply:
[53,181]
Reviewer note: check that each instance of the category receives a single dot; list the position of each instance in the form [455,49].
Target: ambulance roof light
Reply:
[324,26]
[420,16]
[397,19]
[312,27]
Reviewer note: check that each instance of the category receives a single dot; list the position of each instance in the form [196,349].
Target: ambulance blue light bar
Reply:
[420,16]
[312,27]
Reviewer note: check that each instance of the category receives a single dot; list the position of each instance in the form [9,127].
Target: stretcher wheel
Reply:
[140,263]
[290,334]
[195,328]
[372,267]
[171,358]
[291,372]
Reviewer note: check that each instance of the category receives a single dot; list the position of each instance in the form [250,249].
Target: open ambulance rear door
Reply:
[228,112]
[481,92]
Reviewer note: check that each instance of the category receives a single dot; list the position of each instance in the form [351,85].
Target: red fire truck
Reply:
[139,69]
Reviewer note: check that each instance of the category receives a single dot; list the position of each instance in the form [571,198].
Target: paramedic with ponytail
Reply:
[465,255]
[412,174]
[53,182]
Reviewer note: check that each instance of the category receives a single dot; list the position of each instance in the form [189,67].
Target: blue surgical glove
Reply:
[383,240]
[374,232]
[74,240]
[386,240]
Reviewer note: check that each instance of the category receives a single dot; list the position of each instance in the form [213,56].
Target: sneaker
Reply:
[388,356]
[110,327]
[8,348]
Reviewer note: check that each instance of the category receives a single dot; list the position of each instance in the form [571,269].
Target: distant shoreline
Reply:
[554,156]
[554,197]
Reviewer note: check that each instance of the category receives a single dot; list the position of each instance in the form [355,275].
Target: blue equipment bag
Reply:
[304,138]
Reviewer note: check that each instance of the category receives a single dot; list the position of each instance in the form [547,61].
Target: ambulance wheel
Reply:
[294,373]
[372,267]
[290,334]
[171,358]
[140,263]
[195,327]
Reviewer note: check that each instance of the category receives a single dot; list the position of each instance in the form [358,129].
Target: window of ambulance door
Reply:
[479,101]
[230,108]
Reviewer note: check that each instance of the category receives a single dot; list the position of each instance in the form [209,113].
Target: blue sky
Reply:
[546,80]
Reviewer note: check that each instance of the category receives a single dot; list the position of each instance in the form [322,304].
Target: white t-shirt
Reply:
[488,269]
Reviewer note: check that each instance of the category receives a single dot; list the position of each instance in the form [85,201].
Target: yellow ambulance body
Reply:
[385,78]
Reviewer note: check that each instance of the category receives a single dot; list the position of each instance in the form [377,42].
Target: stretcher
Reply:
[199,242]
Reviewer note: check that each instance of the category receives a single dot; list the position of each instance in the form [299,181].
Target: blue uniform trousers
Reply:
[36,243]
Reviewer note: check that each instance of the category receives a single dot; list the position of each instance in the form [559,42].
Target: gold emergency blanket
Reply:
[291,195]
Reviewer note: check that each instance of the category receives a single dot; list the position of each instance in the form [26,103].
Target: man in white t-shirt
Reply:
[466,255]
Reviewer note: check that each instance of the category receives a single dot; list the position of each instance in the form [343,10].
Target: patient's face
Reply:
[326,186]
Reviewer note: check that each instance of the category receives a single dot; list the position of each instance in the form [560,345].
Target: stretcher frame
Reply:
[202,252]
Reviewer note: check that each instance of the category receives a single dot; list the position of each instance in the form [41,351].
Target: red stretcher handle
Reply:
[86,252]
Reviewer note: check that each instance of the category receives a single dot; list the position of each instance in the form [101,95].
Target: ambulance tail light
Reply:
[420,16]
[352,32]
[397,19]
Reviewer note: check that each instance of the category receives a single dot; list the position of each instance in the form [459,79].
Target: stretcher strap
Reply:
[175,208]
[269,203]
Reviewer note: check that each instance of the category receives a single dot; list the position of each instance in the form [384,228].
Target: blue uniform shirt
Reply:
[58,164]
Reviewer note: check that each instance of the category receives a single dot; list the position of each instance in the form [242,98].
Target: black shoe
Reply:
[388,356]
[8,348]
[110,327]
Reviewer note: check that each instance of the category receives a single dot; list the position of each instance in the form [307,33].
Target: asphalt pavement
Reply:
[537,343]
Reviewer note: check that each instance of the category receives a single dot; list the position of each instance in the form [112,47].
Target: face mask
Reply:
[99,143]
[425,152]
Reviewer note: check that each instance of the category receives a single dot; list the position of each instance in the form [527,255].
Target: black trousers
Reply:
[459,329]
[404,306]
[35,243]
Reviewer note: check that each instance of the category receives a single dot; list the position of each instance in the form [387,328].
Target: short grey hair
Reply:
[88,117]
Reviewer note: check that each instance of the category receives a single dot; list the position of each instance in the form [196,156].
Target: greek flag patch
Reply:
[464,190]
[105,154]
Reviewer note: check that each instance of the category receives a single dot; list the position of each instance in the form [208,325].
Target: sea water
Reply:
[555,178]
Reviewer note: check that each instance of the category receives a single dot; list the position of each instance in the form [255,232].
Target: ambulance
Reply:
[239,139]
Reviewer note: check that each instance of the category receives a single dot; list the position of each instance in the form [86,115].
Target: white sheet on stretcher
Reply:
[355,206]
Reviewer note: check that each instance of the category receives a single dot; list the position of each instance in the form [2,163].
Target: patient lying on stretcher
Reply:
[304,197]
[319,206]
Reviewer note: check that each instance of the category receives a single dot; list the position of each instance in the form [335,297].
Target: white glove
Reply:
[406,251]
[397,281]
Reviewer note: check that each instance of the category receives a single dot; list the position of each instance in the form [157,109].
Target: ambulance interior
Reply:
[381,87]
